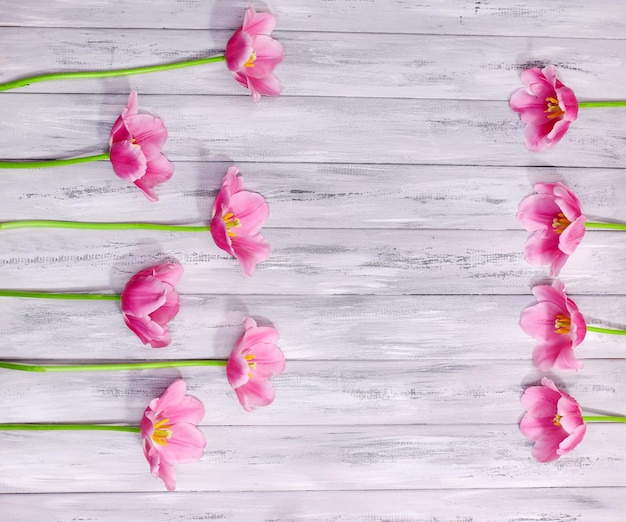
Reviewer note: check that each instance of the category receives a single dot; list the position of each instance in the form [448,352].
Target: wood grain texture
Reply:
[459,17]
[393,167]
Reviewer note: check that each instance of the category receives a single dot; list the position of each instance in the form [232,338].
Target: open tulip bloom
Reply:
[554,421]
[168,429]
[135,147]
[237,218]
[558,327]
[555,217]
[252,362]
[148,302]
[547,107]
[251,55]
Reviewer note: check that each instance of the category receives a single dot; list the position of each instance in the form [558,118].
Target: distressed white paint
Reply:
[393,167]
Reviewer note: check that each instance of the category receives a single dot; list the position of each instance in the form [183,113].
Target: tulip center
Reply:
[560,223]
[251,364]
[231,222]
[553,109]
[557,420]
[251,60]
[562,324]
[162,432]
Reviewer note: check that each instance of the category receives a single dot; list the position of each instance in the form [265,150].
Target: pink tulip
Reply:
[170,434]
[136,142]
[553,421]
[546,106]
[252,54]
[252,362]
[557,325]
[554,215]
[149,301]
[238,216]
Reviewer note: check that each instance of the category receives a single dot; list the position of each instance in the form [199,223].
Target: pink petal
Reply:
[164,314]
[255,393]
[540,401]
[258,23]
[158,170]
[238,50]
[170,273]
[148,132]
[572,236]
[545,450]
[573,440]
[542,249]
[133,104]
[269,360]
[538,321]
[143,296]
[128,161]
[170,398]
[268,86]
[537,212]
[237,370]
[252,211]
[167,474]
[269,53]
[186,444]
[557,354]
[219,233]
[148,331]
[250,251]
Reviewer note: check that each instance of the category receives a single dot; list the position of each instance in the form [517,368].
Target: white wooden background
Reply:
[393,167]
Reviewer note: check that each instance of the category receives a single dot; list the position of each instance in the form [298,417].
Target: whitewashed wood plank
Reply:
[381,262]
[304,129]
[513,505]
[316,63]
[316,392]
[313,458]
[363,328]
[530,18]
[308,195]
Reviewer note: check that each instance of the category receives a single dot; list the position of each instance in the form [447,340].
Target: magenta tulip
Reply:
[546,106]
[252,54]
[149,301]
[170,434]
[252,362]
[136,142]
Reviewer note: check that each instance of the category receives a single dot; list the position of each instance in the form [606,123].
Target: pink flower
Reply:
[237,218]
[136,143]
[553,421]
[557,325]
[554,215]
[546,106]
[251,54]
[170,434]
[149,301]
[252,362]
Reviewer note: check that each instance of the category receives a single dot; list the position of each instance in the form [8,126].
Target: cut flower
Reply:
[149,301]
[546,106]
[553,421]
[170,433]
[252,54]
[555,216]
[236,222]
[557,325]
[252,362]
[136,142]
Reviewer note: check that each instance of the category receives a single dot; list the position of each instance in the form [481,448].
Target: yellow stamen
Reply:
[562,324]
[560,223]
[250,62]
[557,420]
[231,222]
[553,108]
[162,432]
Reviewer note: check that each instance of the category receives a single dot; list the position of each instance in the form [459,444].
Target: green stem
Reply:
[63,427]
[51,295]
[602,418]
[52,163]
[607,226]
[594,104]
[39,223]
[111,366]
[108,74]
[605,330]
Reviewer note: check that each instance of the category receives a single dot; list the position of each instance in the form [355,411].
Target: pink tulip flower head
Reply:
[553,421]
[149,301]
[236,222]
[554,215]
[136,142]
[252,54]
[557,325]
[252,362]
[170,434]
[546,106]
